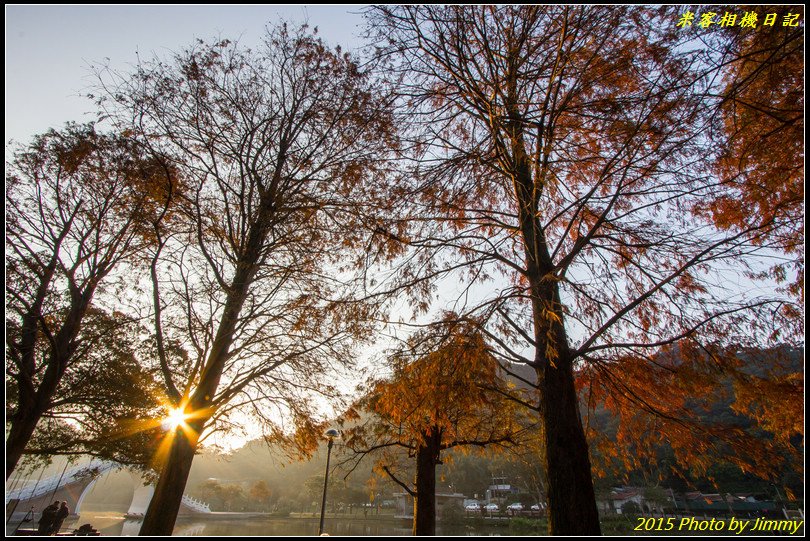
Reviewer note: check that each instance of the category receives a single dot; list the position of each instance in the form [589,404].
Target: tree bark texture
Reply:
[424,506]
[572,503]
[571,498]
[22,428]
[165,505]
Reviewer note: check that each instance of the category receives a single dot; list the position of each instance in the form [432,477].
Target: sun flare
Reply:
[174,418]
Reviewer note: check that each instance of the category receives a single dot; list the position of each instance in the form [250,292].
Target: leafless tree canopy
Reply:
[279,151]
[256,276]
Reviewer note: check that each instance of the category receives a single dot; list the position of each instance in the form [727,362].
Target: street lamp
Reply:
[331,434]
[779,499]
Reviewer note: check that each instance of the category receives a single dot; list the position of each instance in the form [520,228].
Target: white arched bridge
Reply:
[73,485]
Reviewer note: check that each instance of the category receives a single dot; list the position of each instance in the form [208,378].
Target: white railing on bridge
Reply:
[43,486]
[196,505]
[35,490]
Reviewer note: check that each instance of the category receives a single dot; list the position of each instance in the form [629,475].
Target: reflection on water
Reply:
[132,527]
[114,524]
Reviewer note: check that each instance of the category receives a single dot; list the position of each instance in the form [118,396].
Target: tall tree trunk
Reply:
[162,511]
[571,498]
[424,506]
[571,501]
[22,428]
[165,505]
[31,407]
[24,420]
[33,401]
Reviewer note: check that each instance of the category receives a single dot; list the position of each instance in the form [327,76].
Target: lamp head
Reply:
[332,434]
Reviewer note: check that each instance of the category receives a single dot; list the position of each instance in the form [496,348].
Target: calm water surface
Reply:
[115,524]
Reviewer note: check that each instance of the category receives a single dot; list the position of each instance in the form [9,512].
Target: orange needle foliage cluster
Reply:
[446,391]
[762,159]
[683,401]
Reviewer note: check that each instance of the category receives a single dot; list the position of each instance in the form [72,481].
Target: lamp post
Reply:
[331,434]
[779,499]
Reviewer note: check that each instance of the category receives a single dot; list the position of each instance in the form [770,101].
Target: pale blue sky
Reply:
[49,48]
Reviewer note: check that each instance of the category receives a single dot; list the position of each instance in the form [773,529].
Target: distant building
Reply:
[745,505]
[500,490]
[621,496]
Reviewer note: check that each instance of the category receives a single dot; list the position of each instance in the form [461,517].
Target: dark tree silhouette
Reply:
[77,202]
[105,399]
[256,279]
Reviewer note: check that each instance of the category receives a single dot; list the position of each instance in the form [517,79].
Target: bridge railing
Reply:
[196,505]
[35,490]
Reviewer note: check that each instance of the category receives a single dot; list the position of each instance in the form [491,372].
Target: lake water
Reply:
[115,524]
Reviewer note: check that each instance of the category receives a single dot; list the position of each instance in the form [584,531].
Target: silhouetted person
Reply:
[61,515]
[47,518]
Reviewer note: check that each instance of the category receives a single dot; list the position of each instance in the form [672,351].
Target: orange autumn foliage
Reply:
[676,400]
[446,390]
[776,403]
[762,151]
[569,149]
[453,389]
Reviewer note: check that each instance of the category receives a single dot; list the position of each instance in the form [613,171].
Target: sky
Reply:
[49,49]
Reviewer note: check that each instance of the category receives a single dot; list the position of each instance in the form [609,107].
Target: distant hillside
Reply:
[256,461]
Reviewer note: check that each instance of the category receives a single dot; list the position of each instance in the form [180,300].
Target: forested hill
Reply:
[752,398]
[255,461]
[296,484]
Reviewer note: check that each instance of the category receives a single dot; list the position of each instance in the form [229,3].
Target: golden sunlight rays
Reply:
[173,420]
[175,417]
[176,420]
